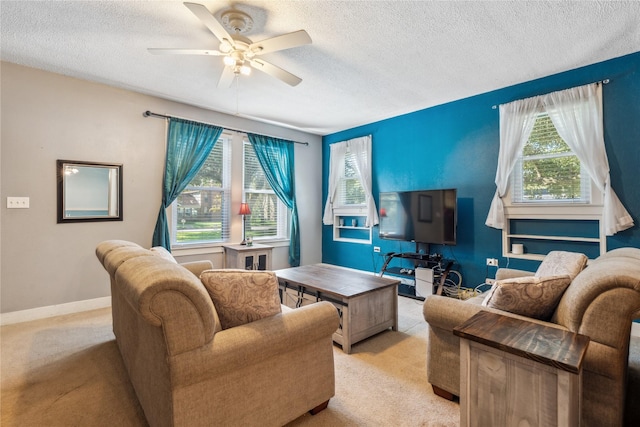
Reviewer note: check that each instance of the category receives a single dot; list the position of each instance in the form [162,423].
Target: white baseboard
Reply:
[53,310]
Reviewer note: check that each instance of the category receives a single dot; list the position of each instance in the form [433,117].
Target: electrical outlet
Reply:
[492,262]
[489,281]
[376,249]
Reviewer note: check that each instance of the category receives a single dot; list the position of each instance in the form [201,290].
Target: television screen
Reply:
[427,216]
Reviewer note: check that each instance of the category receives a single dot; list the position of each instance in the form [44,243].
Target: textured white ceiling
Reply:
[369,60]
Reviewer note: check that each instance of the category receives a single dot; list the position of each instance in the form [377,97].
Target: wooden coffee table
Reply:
[367,304]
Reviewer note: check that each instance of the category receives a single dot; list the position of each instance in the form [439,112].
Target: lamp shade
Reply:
[244,209]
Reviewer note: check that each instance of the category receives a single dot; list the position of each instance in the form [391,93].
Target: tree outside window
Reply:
[268,217]
[548,170]
[201,209]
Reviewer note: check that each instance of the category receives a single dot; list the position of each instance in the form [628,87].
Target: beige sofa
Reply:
[600,302]
[189,371]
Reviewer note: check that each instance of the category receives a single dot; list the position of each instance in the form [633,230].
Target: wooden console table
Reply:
[514,372]
[254,257]
[367,304]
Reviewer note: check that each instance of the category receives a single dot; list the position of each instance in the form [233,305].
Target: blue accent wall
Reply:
[455,145]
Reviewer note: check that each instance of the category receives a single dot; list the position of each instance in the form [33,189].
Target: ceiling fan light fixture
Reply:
[245,70]
[229,61]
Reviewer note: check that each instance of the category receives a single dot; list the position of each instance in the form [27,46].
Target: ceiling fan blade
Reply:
[276,72]
[170,51]
[210,22]
[226,78]
[285,41]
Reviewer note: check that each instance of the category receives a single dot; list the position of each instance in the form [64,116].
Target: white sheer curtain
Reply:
[516,122]
[577,115]
[361,150]
[336,163]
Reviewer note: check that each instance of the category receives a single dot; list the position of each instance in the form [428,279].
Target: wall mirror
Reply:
[89,191]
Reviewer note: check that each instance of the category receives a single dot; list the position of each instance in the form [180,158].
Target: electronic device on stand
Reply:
[425,217]
[428,274]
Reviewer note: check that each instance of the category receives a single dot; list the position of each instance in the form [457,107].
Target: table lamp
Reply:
[244,210]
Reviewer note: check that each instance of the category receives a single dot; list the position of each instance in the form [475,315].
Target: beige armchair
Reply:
[601,302]
[193,366]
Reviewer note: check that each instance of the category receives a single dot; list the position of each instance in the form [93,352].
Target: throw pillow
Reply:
[530,296]
[163,253]
[559,263]
[242,296]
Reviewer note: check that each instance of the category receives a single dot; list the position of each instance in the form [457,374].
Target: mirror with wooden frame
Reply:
[89,191]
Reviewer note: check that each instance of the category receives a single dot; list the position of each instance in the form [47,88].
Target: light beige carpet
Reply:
[66,371]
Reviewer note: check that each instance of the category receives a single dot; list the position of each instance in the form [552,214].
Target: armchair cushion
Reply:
[559,263]
[241,296]
[530,296]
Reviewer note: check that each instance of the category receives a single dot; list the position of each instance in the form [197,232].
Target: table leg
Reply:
[395,308]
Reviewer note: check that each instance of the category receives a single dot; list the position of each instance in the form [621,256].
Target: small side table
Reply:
[514,372]
[245,257]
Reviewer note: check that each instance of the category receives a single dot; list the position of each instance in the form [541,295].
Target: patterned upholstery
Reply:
[242,296]
[530,296]
[559,263]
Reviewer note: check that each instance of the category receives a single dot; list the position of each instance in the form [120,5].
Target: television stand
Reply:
[441,269]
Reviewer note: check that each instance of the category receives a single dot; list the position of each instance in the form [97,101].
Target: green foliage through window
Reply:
[201,208]
[268,213]
[548,169]
[351,191]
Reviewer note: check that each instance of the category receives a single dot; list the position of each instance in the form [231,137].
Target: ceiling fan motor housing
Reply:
[236,21]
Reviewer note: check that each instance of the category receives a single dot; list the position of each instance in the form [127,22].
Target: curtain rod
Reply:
[604,82]
[162,116]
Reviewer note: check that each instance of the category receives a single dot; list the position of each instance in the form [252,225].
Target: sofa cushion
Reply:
[242,296]
[162,252]
[535,297]
[559,263]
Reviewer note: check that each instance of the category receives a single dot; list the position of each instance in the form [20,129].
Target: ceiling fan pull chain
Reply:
[237,97]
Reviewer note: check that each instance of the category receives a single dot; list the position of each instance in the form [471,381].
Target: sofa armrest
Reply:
[240,346]
[511,273]
[447,313]
[168,296]
[197,267]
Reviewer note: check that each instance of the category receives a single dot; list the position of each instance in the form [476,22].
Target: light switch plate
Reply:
[17,203]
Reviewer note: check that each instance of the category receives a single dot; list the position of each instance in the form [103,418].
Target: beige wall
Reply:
[47,116]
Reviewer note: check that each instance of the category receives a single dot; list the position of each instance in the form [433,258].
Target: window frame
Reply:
[340,204]
[226,140]
[545,209]
[283,215]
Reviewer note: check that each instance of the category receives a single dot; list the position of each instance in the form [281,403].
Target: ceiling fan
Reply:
[239,53]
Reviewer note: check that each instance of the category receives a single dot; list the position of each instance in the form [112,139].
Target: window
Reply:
[201,211]
[548,171]
[269,215]
[350,191]
[349,186]
[554,194]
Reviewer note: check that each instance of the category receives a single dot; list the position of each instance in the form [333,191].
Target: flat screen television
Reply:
[424,216]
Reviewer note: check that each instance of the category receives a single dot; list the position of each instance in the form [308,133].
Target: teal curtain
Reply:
[188,146]
[276,158]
